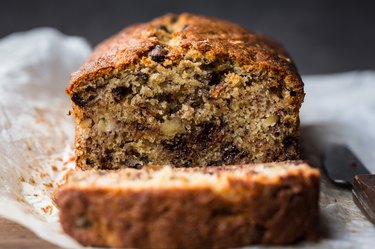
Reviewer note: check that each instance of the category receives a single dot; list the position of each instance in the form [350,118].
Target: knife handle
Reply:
[364,195]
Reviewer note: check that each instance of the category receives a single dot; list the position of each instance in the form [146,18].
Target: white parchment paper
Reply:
[36,135]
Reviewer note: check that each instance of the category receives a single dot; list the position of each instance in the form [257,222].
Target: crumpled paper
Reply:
[37,135]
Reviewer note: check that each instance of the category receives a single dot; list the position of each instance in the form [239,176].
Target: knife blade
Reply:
[344,169]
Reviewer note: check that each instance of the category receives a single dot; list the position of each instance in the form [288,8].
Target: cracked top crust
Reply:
[211,37]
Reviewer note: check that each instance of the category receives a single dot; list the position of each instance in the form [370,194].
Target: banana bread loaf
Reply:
[212,207]
[186,90]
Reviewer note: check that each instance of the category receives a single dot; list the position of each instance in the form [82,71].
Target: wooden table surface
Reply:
[14,236]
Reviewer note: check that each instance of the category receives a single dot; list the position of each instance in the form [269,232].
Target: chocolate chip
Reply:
[229,152]
[276,91]
[139,127]
[177,144]
[188,163]
[132,160]
[196,99]
[293,93]
[207,132]
[248,82]
[144,160]
[214,78]
[182,162]
[174,107]
[82,222]
[159,118]
[158,53]
[163,27]
[134,153]
[211,78]
[173,104]
[290,141]
[174,19]
[89,161]
[107,156]
[120,92]
[78,100]
[136,166]
[196,103]
[215,163]
[142,77]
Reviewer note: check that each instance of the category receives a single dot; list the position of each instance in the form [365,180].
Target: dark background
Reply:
[322,36]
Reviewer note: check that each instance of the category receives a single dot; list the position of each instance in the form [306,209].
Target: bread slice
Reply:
[186,90]
[212,207]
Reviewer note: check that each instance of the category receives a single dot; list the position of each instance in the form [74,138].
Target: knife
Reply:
[344,169]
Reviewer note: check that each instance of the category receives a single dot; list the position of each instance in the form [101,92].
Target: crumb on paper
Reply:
[42,175]
[48,209]
[71,159]
[50,150]
[32,181]
[47,173]
[66,176]
[20,199]
[29,147]
[49,185]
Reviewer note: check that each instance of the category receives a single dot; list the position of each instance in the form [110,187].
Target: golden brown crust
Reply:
[256,209]
[214,38]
